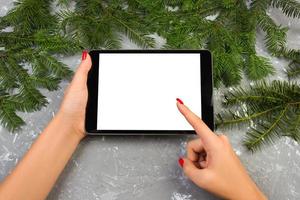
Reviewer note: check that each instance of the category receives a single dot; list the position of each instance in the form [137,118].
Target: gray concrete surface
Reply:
[138,167]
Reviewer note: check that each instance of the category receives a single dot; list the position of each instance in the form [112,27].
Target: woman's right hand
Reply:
[212,164]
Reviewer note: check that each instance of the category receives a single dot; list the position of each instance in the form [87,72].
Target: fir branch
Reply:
[7,80]
[264,133]
[30,97]
[260,5]
[258,67]
[9,39]
[57,68]
[142,40]
[106,21]
[293,124]
[63,2]
[272,110]
[51,42]
[27,62]
[293,70]
[291,54]
[8,117]
[275,35]
[30,15]
[239,95]
[91,31]
[48,82]
[228,118]
[290,8]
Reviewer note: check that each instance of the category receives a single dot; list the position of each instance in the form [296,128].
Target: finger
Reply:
[202,157]
[200,127]
[203,164]
[194,148]
[81,73]
[192,172]
[225,139]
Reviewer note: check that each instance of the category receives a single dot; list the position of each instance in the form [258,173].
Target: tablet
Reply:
[134,91]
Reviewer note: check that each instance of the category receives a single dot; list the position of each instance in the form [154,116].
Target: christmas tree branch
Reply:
[273,112]
[255,138]
[239,119]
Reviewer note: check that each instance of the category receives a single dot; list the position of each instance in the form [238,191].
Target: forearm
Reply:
[35,175]
[247,189]
[252,193]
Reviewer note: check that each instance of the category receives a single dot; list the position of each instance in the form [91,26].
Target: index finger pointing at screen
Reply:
[200,127]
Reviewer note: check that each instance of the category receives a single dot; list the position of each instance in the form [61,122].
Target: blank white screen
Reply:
[138,91]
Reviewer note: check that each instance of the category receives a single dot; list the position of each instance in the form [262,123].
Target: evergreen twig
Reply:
[271,110]
[27,59]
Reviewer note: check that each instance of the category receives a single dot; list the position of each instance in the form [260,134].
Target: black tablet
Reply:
[134,91]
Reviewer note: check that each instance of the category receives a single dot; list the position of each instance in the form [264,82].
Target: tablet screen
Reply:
[138,91]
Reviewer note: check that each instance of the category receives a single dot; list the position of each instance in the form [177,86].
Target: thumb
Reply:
[195,174]
[81,74]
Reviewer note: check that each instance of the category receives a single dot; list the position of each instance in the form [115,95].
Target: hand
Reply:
[72,110]
[212,164]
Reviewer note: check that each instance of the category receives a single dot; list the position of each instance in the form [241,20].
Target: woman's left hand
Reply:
[72,110]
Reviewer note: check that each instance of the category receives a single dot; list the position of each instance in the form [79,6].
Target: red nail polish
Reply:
[84,54]
[181,162]
[179,100]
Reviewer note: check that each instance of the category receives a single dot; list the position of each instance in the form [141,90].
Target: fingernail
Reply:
[84,54]
[179,100]
[181,162]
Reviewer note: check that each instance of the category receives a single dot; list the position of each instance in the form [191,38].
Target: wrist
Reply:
[252,193]
[69,127]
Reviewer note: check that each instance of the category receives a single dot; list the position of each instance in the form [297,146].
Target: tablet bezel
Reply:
[92,103]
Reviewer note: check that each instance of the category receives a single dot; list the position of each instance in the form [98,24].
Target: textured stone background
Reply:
[138,167]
